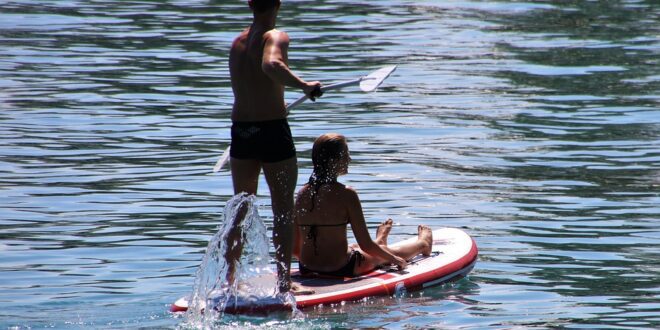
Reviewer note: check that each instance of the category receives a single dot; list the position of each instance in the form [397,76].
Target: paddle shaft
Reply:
[325,89]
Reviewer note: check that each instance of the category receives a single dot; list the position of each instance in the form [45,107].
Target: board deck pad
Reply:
[453,256]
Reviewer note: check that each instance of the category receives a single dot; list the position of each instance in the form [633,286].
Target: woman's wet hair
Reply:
[326,153]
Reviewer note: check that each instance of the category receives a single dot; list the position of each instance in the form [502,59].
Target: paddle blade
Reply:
[224,159]
[374,79]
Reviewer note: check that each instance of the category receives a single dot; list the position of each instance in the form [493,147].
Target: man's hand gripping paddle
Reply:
[367,83]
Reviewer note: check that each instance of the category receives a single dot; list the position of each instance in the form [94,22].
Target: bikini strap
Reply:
[313,232]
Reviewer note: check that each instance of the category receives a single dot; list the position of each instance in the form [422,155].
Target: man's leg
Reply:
[282,178]
[245,176]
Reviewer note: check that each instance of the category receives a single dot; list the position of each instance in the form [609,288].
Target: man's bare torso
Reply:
[256,96]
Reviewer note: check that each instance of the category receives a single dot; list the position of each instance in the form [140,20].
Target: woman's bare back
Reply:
[322,219]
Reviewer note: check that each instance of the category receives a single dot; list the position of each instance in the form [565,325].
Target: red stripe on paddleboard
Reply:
[379,274]
[176,308]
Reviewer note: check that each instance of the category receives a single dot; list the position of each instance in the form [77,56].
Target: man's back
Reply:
[256,96]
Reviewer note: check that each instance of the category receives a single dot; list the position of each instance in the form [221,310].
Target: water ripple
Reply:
[533,126]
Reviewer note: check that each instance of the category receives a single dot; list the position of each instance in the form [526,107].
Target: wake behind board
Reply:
[453,256]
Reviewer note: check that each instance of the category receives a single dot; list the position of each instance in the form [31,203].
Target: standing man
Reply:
[260,134]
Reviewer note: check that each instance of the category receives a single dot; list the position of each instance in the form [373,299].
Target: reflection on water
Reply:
[534,125]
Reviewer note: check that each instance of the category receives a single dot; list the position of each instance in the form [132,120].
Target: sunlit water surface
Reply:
[534,126]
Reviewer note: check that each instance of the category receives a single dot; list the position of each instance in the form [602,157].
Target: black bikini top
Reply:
[313,232]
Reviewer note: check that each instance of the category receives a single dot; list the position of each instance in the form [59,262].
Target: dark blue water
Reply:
[534,126]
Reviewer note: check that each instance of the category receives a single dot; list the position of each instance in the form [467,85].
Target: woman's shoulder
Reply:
[336,188]
[346,187]
[346,192]
[340,186]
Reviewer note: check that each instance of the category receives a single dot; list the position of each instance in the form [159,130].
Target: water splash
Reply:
[255,281]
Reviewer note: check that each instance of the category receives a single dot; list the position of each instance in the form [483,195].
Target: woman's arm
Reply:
[361,232]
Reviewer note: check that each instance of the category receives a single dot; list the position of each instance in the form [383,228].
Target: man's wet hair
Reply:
[261,6]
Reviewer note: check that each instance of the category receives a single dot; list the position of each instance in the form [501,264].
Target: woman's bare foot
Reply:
[383,231]
[425,235]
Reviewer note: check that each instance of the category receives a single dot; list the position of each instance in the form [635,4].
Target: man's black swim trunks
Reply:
[267,141]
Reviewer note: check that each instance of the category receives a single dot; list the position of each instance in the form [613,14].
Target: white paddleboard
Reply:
[453,256]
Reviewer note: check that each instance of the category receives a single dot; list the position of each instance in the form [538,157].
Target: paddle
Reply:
[367,83]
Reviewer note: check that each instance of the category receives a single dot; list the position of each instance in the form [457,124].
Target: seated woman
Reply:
[323,209]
